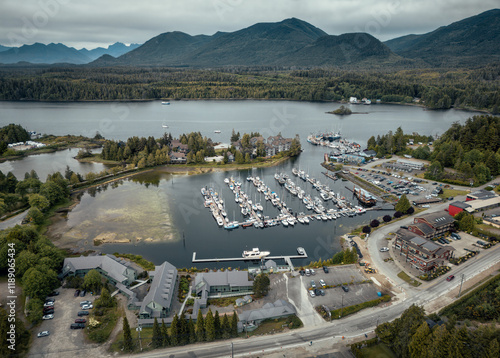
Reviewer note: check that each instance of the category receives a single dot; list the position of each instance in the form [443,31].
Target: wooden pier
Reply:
[287,258]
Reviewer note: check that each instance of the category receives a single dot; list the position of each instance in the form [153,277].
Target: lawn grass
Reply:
[222,302]
[404,276]
[271,326]
[100,334]
[451,193]
[378,351]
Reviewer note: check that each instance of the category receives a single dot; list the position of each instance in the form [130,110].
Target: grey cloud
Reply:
[97,22]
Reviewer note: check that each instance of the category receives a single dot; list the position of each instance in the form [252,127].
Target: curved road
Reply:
[351,326]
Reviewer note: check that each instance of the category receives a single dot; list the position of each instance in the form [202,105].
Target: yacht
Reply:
[165,103]
[255,253]
[301,251]
[164,125]
[220,222]
[217,131]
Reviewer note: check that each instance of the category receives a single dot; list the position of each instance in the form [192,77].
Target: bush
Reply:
[398,214]
[410,210]
[367,229]
[374,223]
[355,308]
[387,218]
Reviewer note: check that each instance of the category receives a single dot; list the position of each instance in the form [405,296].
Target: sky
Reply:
[99,23]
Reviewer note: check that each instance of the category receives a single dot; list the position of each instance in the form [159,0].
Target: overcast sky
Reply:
[94,23]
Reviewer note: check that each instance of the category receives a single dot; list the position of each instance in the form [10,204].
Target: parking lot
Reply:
[338,275]
[61,338]
[467,242]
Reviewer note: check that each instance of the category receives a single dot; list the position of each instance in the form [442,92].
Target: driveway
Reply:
[299,297]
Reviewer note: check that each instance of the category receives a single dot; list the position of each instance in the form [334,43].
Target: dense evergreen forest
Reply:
[472,149]
[437,89]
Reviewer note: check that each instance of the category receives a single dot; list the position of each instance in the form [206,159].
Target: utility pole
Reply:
[461,282]
[232,350]
[139,329]
[342,309]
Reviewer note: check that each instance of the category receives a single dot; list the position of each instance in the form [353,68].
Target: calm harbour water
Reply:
[146,205]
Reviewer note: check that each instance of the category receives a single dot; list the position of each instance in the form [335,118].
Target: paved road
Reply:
[352,326]
[13,221]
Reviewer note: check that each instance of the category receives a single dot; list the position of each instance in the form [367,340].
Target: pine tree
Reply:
[183,330]
[164,333]
[493,349]
[174,331]
[191,330]
[225,327]
[234,325]
[200,327]
[157,339]
[419,343]
[128,345]
[217,327]
[209,326]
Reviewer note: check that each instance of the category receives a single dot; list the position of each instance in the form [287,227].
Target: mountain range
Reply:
[59,53]
[291,42]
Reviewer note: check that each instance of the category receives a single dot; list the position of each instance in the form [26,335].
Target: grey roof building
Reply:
[158,301]
[249,320]
[222,283]
[115,269]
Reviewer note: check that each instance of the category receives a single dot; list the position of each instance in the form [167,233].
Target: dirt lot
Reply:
[62,338]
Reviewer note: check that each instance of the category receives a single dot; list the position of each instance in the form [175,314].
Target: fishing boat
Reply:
[165,103]
[232,225]
[255,253]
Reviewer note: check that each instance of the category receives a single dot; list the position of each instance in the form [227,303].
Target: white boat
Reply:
[165,103]
[284,222]
[216,131]
[301,251]
[255,253]
[291,221]
[306,220]
[301,220]
[164,125]
[220,222]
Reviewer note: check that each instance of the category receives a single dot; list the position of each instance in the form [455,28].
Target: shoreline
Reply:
[243,99]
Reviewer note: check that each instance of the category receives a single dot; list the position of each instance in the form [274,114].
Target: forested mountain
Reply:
[40,53]
[291,42]
[59,53]
[472,41]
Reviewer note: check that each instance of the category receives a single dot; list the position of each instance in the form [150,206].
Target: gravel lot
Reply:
[62,338]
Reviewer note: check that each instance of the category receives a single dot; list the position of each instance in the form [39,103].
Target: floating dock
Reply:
[287,258]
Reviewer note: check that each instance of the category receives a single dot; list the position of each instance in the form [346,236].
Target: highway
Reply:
[351,326]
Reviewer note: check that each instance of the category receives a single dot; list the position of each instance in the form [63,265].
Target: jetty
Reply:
[286,258]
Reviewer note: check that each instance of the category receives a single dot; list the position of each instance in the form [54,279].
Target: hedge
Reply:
[336,314]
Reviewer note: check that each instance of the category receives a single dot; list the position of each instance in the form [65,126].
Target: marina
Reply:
[254,212]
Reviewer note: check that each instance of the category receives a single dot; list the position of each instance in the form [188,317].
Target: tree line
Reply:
[184,331]
[437,89]
[411,335]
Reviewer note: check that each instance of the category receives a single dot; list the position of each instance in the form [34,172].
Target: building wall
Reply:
[453,210]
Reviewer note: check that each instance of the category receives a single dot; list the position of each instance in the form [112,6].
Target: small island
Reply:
[342,110]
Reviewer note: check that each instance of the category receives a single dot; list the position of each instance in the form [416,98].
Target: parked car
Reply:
[313,272]
[49,299]
[83,313]
[302,272]
[384,249]
[313,284]
[345,288]
[77,293]
[82,293]
[322,283]
[48,308]
[80,320]
[87,307]
[308,272]
[77,325]
[49,304]
[54,293]
[48,316]
[325,269]
[449,278]
[43,334]
[85,303]
[311,293]
[49,311]
[322,292]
